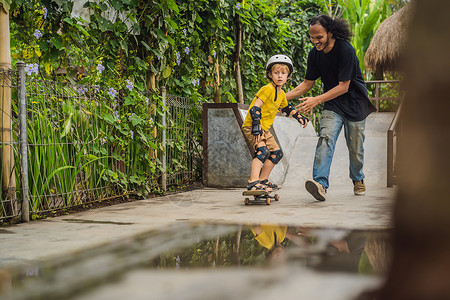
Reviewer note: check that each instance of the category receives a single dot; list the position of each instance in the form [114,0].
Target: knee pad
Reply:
[263,155]
[278,156]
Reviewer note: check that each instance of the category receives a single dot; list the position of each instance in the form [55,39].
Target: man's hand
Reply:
[308,103]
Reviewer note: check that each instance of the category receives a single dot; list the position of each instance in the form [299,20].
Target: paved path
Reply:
[66,235]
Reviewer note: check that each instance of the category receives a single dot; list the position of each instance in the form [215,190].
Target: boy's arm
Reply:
[258,102]
[256,123]
[301,89]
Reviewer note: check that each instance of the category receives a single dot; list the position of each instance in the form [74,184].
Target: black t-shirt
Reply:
[341,64]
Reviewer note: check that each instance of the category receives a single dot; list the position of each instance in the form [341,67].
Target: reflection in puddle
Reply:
[186,246]
[262,245]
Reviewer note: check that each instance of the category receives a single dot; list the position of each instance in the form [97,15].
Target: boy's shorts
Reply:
[266,137]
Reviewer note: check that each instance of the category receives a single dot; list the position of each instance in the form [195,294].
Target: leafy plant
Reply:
[364,17]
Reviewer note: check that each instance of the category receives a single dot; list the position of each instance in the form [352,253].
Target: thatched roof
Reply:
[386,47]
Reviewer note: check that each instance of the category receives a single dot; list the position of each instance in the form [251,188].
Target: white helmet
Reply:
[280,59]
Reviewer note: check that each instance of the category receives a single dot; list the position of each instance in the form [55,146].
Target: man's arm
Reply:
[300,90]
[308,103]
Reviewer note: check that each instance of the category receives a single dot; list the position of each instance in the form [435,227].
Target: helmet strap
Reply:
[275,85]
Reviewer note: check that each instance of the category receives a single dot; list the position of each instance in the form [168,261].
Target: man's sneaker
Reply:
[359,188]
[315,189]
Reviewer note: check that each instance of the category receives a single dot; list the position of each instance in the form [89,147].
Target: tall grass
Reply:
[85,146]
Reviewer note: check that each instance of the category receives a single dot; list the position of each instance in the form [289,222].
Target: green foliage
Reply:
[83,146]
[180,43]
[364,17]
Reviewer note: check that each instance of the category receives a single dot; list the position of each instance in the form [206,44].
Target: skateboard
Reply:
[259,197]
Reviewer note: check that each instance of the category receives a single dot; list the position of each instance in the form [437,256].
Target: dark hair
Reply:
[338,27]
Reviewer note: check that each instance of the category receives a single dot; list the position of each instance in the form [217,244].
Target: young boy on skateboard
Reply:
[261,114]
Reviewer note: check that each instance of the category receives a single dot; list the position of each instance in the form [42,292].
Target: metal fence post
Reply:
[163,140]
[23,142]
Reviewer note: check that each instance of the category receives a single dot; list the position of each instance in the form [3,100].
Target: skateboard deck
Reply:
[259,197]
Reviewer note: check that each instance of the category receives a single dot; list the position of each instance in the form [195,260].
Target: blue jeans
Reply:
[330,126]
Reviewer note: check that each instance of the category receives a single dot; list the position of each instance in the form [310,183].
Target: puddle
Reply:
[186,247]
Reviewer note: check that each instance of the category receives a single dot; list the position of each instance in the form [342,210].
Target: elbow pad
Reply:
[255,113]
[287,110]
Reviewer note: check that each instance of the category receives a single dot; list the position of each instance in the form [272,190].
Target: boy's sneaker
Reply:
[315,189]
[359,188]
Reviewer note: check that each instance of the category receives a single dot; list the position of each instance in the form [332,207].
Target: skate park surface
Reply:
[104,253]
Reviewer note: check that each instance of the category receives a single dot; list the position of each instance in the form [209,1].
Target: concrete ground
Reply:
[68,236]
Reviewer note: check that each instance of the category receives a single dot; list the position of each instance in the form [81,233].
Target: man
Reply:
[345,99]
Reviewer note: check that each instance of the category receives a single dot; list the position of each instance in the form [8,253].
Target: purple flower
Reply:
[146,100]
[100,67]
[186,50]
[214,54]
[31,68]
[116,114]
[82,90]
[178,58]
[37,34]
[196,81]
[185,32]
[112,92]
[132,134]
[130,85]
[238,6]
[45,12]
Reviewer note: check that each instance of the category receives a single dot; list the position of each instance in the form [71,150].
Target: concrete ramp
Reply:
[227,153]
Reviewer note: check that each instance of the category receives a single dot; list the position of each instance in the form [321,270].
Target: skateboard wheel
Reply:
[268,201]
[246,201]
[277,197]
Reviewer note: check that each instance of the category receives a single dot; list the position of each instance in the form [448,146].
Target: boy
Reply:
[261,114]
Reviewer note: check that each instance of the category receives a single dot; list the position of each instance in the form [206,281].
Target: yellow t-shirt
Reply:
[270,107]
